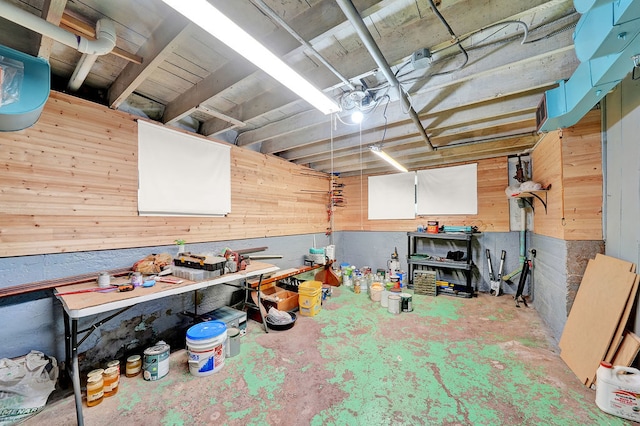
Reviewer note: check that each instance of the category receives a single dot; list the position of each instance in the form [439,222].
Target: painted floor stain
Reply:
[451,361]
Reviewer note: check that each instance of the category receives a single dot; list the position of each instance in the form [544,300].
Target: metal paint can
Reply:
[104,280]
[406,302]
[156,361]
[394,304]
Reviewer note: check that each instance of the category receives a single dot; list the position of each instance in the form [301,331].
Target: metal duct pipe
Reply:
[354,17]
[105,30]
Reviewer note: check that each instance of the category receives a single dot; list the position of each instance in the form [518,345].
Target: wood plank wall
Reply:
[69,183]
[571,161]
[493,205]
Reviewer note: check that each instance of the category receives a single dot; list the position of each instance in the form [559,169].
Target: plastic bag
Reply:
[25,385]
[11,76]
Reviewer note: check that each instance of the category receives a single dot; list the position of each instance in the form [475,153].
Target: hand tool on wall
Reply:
[523,278]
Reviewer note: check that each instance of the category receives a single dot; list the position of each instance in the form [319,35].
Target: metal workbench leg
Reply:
[75,373]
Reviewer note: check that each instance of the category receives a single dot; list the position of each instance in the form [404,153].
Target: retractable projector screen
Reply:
[180,174]
[392,196]
[448,190]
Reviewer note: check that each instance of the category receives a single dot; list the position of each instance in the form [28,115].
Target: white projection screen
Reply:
[180,174]
[448,190]
[392,196]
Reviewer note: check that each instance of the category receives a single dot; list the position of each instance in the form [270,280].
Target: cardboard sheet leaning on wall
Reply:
[25,385]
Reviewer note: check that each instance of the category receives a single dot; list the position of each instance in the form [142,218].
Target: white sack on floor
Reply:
[25,385]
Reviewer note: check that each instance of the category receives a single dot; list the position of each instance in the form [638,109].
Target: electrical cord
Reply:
[446,24]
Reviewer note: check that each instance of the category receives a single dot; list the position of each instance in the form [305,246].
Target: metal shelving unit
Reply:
[466,265]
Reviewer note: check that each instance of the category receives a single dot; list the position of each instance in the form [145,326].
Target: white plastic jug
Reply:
[618,391]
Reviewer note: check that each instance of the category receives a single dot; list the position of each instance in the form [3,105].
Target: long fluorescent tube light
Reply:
[386,157]
[210,19]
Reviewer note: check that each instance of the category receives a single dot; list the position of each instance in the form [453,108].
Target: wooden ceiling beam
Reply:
[495,70]
[52,11]
[484,113]
[164,40]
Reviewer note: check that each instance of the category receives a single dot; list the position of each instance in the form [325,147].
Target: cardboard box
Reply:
[281,299]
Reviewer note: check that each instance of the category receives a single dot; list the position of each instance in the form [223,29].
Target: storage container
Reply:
[309,298]
[618,391]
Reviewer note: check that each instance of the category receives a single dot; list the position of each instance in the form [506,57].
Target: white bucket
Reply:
[617,390]
[206,347]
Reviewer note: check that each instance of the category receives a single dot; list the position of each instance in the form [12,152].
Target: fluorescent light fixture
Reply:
[210,19]
[386,157]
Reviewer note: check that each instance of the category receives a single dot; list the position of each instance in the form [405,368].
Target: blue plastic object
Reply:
[206,330]
[606,39]
[34,92]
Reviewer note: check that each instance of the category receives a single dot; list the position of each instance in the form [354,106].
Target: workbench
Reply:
[82,305]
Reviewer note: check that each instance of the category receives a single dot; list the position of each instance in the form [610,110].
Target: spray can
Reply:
[618,391]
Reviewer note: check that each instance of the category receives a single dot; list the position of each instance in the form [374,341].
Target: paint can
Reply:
[407,302]
[394,304]
[384,298]
[618,390]
[206,347]
[233,342]
[432,227]
[104,280]
[156,361]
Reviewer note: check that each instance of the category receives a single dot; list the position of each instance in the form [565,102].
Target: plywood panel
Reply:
[571,161]
[70,184]
[628,350]
[582,171]
[598,307]
[546,162]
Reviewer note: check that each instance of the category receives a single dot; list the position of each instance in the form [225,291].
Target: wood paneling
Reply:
[69,183]
[493,205]
[571,161]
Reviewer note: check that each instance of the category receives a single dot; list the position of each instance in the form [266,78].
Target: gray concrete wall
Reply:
[622,174]
[550,282]
[374,249]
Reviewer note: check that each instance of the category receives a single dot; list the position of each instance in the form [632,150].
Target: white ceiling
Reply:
[175,73]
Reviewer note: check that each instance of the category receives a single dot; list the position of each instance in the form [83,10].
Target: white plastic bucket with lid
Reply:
[617,390]
[206,347]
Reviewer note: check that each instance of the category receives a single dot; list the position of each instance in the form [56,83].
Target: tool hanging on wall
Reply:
[526,269]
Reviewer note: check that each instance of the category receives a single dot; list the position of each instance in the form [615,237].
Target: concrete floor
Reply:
[451,361]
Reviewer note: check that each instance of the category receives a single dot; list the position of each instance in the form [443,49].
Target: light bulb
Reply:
[357,117]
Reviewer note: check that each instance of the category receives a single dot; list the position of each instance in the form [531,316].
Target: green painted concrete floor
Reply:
[451,361]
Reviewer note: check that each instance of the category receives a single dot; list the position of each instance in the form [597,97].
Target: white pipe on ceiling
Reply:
[91,49]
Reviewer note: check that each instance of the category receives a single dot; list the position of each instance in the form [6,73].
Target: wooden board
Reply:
[628,350]
[598,307]
[618,337]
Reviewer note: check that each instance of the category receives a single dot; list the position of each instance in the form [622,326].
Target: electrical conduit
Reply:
[354,17]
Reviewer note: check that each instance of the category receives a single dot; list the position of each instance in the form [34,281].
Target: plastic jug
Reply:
[618,391]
